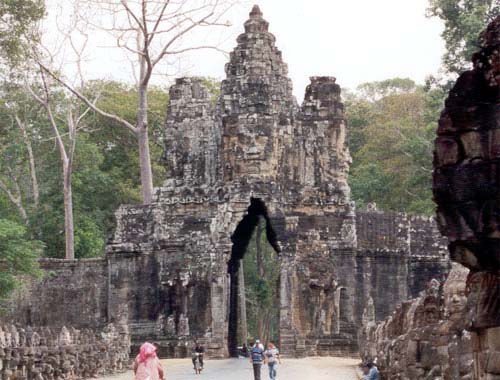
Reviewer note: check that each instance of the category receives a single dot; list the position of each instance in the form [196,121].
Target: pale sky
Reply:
[354,40]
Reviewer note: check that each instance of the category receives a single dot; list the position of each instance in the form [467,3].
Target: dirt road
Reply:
[240,369]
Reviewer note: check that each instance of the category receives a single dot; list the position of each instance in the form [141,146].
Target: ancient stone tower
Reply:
[171,268]
[256,154]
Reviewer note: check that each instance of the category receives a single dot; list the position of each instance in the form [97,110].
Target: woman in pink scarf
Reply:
[147,366]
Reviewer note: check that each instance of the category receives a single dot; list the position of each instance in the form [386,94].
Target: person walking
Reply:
[256,358]
[244,350]
[272,356]
[147,366]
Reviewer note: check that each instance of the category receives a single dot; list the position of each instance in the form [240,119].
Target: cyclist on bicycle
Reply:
[197,353]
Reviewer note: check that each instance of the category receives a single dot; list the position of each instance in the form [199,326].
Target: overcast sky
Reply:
[354,40]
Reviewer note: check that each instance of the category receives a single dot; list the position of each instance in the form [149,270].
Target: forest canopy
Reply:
[79,146]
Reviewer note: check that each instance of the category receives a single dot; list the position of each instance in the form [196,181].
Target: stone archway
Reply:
[240,239]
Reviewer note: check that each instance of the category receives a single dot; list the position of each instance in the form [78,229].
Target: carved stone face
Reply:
[455,300]
[454,292]
[431,313]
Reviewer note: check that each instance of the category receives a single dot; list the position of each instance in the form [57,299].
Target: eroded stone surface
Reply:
[55,354]
[171,266]
[424,338]
[466,190]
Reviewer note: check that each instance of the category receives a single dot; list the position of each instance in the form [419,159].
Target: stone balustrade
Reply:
[43,353]
[424,338]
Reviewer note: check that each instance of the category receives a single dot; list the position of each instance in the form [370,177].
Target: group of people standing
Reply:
[147,366]
[259,356]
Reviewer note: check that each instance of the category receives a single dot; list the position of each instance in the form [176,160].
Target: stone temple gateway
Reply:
[171,268]
[256,154]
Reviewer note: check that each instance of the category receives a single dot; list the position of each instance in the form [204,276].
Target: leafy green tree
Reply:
[17,18]
[102,176]
[119,145]
[391,136]
[18,254]
[463,21]
[261,270]
[148,34]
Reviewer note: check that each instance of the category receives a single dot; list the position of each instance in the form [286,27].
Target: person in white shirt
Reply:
[272,356]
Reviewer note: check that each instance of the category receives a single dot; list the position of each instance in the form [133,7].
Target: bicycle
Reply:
[197,362]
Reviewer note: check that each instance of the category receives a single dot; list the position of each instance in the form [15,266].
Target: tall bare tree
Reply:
[243,303]
[65,125]
[63,110]
[149,32]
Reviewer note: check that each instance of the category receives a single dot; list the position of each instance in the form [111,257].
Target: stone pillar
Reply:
[466,187]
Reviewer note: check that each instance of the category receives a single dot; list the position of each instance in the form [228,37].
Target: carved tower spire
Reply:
[256,103]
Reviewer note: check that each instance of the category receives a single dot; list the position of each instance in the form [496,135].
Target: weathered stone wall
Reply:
[71,293]
[397,255]
[453,332]
[424,338]
[466,160]
[257,153]
[466,189]
[171,266]
[48,353]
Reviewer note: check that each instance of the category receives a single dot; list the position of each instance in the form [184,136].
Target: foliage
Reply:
[16,21]
[213,86]
[261,291]
[105,169]
[463,21]
[18,255]
[105,172]
[391,140]
[117,144]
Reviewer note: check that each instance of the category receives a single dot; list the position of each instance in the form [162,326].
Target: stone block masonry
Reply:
[466,187]
[70,293]
[172,265]
[43,353]
[424,338]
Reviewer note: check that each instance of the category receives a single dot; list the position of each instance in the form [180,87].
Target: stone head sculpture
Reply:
[467,149]
[454,292]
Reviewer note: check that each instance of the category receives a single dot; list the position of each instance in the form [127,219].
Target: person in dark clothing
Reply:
[257,358]
[244,350]
[198,349]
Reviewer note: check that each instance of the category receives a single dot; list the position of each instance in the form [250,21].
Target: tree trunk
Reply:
[258,247]
[261,272]
[232,336]
[143,140]
[68,212]
[34,180]
[260,324]
[243,304]
[16,198]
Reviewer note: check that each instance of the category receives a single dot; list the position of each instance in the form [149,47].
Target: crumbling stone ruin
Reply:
[59,354]
[418,341]
[424,338]
[466,190]
[172,265]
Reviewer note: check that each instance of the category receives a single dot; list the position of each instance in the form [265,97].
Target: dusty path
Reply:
[240,369]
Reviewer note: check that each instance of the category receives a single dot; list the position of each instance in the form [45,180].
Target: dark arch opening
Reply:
[240,239]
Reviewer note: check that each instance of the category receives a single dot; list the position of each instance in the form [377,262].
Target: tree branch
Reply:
[177,36]
[31,158]
[85,100]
